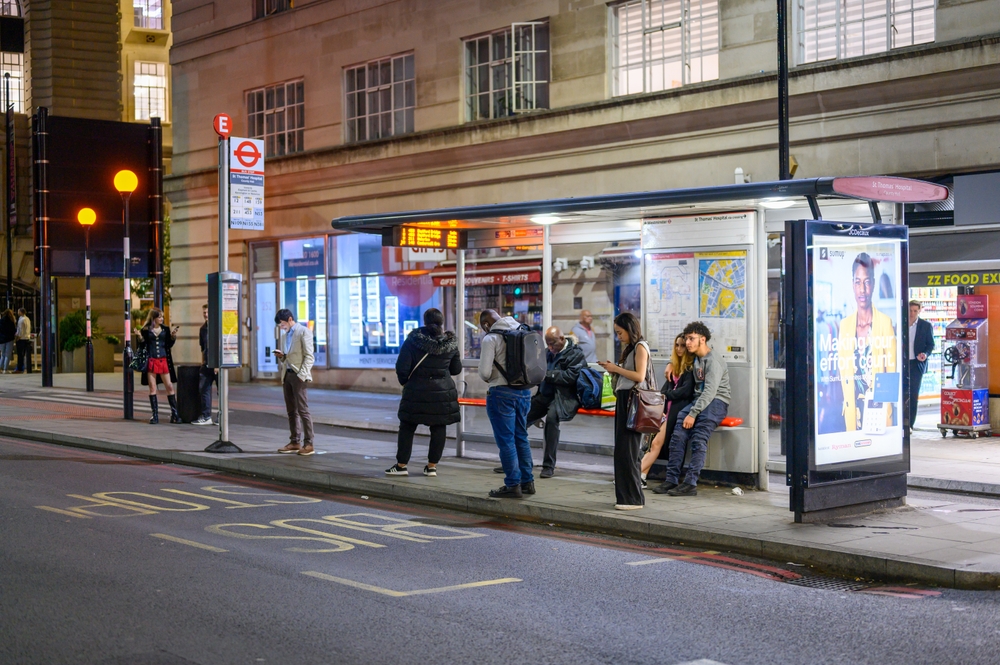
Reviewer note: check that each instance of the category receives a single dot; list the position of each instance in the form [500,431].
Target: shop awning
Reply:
[490,274]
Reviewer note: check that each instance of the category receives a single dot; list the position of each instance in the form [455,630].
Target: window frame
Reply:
[271,118]
[507,66]
[841,24]
[160,66]
[400,94]
[142,20]
[16,71]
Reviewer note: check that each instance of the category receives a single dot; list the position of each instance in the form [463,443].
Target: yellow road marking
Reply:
[63,512]
[402,594]
[175,539]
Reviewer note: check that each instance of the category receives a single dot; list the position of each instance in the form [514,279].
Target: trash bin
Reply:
[188,399]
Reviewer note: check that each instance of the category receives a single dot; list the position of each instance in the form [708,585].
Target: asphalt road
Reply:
[112,560]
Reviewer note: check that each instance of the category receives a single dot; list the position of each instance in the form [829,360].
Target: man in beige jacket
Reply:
[295,361]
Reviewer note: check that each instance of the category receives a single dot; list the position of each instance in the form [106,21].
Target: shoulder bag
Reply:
[140,361]
[645,404]
[416,366]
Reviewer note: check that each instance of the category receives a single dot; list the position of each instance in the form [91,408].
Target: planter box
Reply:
[76,362]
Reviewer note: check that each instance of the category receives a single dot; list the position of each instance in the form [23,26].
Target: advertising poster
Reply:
[230,324]
[858,344]
[698,286]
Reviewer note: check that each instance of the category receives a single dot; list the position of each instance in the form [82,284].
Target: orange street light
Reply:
[87,217]
[125,181]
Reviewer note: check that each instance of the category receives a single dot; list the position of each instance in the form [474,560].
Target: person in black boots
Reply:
[158,341]
[427,361]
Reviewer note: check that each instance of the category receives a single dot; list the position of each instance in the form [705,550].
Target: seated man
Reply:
[701,417]
[556,399]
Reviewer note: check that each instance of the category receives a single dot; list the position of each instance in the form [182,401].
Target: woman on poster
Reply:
[866,346]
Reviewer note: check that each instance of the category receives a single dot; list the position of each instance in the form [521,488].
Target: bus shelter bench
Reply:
[472,401]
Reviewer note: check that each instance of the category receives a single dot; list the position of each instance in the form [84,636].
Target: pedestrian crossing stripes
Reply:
[97,400]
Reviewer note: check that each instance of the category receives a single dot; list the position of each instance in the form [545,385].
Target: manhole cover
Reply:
[829,583]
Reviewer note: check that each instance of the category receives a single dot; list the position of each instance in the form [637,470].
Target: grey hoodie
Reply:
[493,348]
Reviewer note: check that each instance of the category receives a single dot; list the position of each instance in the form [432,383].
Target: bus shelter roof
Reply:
[640,205]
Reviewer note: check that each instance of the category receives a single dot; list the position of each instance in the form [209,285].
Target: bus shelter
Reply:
[713,254]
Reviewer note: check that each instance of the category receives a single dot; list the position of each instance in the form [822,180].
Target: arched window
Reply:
[10,8]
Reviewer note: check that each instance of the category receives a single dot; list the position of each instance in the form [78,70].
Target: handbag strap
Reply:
[649,383]
[416,366]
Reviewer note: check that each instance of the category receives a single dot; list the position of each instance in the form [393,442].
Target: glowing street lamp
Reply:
[125,183]
[87,217]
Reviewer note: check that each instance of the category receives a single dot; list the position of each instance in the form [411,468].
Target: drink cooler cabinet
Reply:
[965,398]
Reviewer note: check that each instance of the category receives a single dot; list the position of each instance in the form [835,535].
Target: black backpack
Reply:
[525,357]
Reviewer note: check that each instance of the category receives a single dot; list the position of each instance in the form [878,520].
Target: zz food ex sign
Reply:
[246,184]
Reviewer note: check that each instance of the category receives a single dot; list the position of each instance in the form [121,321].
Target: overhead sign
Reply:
[895,190]
[246,184]
[521,277]
[416,236]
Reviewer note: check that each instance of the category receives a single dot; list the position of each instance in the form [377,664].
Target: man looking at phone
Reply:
[295,361]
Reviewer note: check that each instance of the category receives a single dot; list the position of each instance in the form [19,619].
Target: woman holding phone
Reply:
[158,341]
[630,370]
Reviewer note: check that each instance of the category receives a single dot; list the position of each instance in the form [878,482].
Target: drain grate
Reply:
[829,584]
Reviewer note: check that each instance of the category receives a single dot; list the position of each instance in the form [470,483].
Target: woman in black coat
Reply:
[157,340]
[427,361]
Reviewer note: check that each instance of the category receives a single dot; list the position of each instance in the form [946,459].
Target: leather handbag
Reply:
[140,362]
[645,405]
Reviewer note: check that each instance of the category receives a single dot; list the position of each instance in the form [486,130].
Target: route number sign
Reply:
[223,125]
[246,184]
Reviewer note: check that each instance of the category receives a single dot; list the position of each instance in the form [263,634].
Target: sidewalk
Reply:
[943,541]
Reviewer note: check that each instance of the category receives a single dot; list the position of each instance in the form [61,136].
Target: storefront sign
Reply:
[973,307]
[956,278]
[418,236]
[510,234]
[490,280]
[246,184]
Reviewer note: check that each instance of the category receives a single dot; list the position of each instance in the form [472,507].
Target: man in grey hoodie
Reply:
[701,417]
[506,407]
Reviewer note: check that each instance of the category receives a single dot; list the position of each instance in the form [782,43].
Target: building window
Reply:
[150,90]
[507,71]
[13,64]
[662,44]
[148,14]
[834,29]
[381,96]
[262,8]
[10,8]
[277,114]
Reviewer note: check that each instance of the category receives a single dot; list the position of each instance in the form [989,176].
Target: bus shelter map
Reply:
[690,286]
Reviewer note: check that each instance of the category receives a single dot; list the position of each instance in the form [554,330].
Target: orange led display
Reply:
[425,238]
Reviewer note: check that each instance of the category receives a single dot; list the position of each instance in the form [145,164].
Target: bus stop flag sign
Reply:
[246,184]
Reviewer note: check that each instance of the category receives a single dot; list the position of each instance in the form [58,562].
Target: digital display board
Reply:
[416,236]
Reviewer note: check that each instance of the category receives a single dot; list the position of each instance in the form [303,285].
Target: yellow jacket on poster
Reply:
[883,359]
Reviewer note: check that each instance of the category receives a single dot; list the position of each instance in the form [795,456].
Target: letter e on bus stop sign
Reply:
[223,125]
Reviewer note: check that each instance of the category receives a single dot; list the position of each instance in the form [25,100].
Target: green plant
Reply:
[143,288]
[73,331]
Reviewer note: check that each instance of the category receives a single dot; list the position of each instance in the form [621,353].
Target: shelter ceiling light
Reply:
[777,204]
[544,220]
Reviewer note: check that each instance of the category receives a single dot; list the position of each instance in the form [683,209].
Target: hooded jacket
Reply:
[560,379]
[493,348]
[429,393]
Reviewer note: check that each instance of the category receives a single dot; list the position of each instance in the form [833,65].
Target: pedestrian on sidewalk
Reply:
[158,340]
[506,407]
[295,362]
[921,346]
[8,330]
[427,361]
[700,418]
[630,370]
[22,342]
[679,392]
[556,399]
[206,375]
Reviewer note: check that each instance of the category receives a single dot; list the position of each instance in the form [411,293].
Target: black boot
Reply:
[174,416]
[155,420]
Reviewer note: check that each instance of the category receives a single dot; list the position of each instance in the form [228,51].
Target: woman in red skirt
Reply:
[158,340]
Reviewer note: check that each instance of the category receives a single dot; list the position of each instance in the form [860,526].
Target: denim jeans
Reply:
[6,355]
[507,409]
[704,424]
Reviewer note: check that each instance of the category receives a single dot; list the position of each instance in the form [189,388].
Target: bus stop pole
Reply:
[460,332]
[223,267]
[546,279]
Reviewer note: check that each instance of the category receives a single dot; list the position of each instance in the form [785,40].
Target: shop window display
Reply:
[303,288]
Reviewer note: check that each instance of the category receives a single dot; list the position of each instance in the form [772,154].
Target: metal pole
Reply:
[460,329]
[156,207]
[90,340]
[44,268]
[128,385]
[783,160]
[223,267]
[546,279]
[11,189]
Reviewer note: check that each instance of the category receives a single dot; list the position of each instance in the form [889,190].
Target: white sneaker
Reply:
[626,506]
[202,421]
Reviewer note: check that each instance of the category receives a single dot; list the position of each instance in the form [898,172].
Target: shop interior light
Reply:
[638,253]
[777,204]
[544,220]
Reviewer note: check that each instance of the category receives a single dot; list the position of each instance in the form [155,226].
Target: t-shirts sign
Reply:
[246,184]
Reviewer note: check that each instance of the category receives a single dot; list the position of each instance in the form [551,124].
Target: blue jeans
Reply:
[704,424]
[507,409]
[6,355]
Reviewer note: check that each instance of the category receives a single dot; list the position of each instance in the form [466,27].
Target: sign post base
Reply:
[221,446]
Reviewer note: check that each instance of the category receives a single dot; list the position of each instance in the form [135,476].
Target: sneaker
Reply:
[547,473]
[498,469]
[528,488]
[540,424]
[664,487]
[627,506]
[291,448]
[430,471]
[202,421]
[307,450]
[644,484]
[684,489]
[396,470]
[507,492]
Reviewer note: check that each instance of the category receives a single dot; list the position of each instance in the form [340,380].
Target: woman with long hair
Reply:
[427,361]
[8,330]
[158,341]
[630,370]
[679,392]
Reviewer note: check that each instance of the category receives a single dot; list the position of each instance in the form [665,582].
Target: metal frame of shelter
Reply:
[598,218]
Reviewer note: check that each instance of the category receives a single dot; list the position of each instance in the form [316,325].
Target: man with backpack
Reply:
[556,399]
[510,362]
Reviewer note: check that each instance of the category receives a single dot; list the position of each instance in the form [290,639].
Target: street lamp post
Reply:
[87,217]
[125,183]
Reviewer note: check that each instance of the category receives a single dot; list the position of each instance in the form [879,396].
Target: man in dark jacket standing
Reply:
[556,399]
[921,345]
[206,374]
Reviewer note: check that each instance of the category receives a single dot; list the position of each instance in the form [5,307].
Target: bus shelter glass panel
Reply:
[303,288]
[775,344]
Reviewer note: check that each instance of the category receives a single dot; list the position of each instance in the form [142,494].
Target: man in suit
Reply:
[921,345]
[295,361]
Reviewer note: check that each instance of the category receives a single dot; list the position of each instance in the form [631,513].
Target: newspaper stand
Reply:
[965,398]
